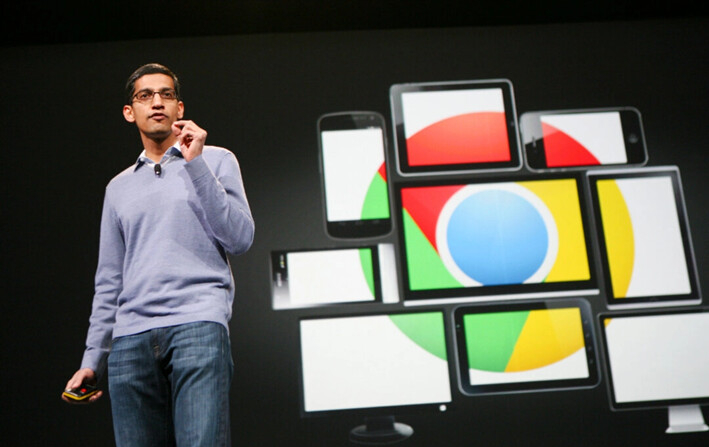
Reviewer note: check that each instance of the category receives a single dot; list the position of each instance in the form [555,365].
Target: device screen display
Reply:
[318,277]
[354,174]
[450,127]
[354,170]
[507,349]
[562,139]
[494,238]
[310,278]
[657,358]
[583,139]
[374,361]
[644,238]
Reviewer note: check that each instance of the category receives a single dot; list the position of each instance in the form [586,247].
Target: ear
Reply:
[180,110]
[128,113]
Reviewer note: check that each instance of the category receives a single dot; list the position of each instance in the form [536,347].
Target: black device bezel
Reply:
[694,297]
[533,140]
[279,277]
[635,405]
[360,228]
[523,291]
[397,90]
[428,407]
[531,386]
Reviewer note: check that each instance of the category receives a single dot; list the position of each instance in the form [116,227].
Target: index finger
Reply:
[182,123]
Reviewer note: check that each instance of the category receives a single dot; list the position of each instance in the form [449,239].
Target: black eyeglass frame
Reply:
[167,94]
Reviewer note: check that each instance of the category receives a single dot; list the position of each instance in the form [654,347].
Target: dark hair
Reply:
[147,69]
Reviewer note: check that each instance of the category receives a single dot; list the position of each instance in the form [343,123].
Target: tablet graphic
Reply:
[455,127]
[520,347]
[462,241]
[646,248]
[310,278]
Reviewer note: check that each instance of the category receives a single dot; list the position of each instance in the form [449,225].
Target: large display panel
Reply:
[375,365]
[354,174]
[309,278]
[532,346]
[489,239]
[644,237]
[659,360]
[583,138]
[453,127]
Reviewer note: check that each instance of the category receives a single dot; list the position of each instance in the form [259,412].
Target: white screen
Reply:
[328,276]
[422,109]
[645,250]
[656,358]
[599,133]
[351,160]
[366,362]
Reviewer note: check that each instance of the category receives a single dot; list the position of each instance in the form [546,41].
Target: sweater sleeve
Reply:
[108,285]
[223,199]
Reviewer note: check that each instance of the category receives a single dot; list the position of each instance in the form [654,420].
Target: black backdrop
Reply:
[64,137]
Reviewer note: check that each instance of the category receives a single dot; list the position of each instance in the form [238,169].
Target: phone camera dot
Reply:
[632,138]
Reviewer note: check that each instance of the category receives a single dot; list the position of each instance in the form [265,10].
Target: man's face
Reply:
[154,116]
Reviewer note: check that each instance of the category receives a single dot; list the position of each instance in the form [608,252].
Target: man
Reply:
[164,288]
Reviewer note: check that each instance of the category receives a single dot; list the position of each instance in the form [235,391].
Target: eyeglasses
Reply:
[167,94]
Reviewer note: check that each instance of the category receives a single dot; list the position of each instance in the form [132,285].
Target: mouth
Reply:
[158,116]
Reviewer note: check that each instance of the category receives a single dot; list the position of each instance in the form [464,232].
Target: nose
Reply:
[157,100]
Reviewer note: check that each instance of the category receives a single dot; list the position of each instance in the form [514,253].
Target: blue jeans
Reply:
[170,386]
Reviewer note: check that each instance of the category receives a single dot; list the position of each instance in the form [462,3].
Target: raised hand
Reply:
[191,138]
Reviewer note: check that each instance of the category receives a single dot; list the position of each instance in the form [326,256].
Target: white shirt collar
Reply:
[171,153]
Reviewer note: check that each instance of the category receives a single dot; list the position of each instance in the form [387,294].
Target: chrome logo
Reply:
[522,346]
[496,234]
[491,234]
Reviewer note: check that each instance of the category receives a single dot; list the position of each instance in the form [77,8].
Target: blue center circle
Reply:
[497,237]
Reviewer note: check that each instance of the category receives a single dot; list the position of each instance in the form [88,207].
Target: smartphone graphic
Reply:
[583,138]
[354,174]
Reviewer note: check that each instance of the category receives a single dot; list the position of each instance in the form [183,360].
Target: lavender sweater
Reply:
[163,248]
